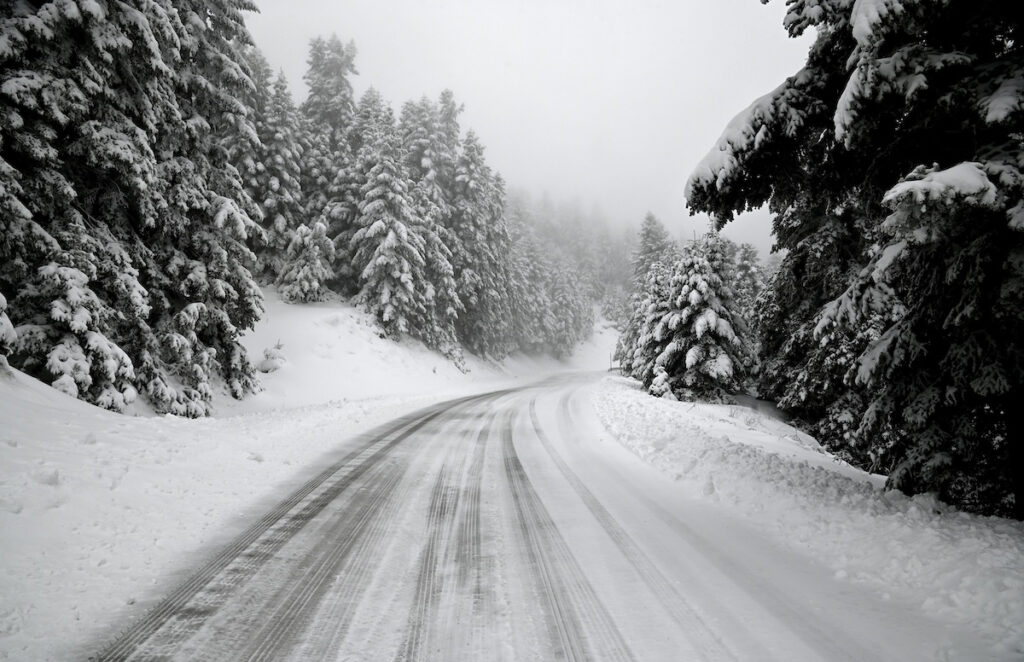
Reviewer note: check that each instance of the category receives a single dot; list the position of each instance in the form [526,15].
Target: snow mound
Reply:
[964,568]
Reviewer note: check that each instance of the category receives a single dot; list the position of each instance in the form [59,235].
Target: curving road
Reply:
[506,526]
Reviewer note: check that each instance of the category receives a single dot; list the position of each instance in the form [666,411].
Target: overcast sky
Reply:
[608,103]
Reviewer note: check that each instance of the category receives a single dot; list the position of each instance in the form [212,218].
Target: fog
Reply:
[608,104]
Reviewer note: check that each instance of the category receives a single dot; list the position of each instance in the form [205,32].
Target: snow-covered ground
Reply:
[101,514]
[963,568]
[333,350]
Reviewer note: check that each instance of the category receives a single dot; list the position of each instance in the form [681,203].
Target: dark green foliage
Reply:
[893,163]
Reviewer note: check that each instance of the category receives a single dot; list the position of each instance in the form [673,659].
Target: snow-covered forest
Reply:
[449,331]
[893,327]
[156,172]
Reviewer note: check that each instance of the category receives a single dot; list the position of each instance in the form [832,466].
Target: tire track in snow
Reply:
[330,625]
[578,622]
[183,612]
[826,640]
[440,521]
[468,606]
[449,562]
[290,606]
[706,642]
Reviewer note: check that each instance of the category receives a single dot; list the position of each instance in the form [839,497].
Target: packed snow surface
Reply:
[102,514]
[963,568]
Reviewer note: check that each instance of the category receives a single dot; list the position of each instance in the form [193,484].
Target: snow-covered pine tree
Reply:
[330,104]
[654,245]
[701,336]
[373,119]
[423,149]
[441,303]
[932,228]
[107,172]
[450,135]
[307,265]
[748,279]
[387,249]
[638,346]
[326,120]
[529,304]
[202,294]
[245,150]
[75,166]
[277,187]
[373,116]
[481,241]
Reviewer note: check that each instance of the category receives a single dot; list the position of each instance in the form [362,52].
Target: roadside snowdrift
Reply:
[101,514]
[960,567]
[100,511]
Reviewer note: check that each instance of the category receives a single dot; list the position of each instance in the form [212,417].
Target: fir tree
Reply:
[481,240]
[387,249]
[638,345]
[327,116]
[893,164]
[125,226]
[748,279]
[307,266]
[277,185]
[373,117]
[654,245]
[702,351]
[442,305]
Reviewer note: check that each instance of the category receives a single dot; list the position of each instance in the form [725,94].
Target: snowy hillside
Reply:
[333,350]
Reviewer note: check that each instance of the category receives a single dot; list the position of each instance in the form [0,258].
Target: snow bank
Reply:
[960,567]
[102,514]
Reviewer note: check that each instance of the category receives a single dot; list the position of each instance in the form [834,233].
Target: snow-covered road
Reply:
[510,526]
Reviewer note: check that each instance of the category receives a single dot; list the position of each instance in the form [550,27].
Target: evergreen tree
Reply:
[373,121]
[245,150]
[123,238]
[373,117]
[699,337]
[327,117]
[387,249]
[654,245]
[441,302]
[481,241]
[198,265]
[450,138]
[639,346]
[277,180]
[307,266]
[423,149]
[892,161]
[748,279]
